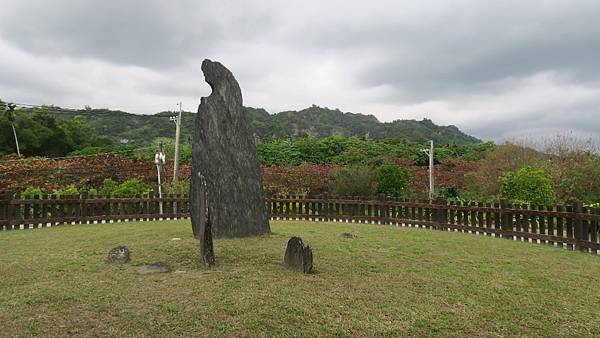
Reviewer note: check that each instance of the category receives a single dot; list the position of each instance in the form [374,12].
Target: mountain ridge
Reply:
[314,121]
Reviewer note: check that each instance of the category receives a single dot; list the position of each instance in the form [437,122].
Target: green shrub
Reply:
[449,193]
[129,188]
[181,187]
[355,180]
[132,188]
[70,190]
[528,185]
[108,187]
[32,192]
[393,180]
[92,192]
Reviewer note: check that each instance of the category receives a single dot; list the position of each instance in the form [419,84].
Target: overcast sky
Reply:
[495,69]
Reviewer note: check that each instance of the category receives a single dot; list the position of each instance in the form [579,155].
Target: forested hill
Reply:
[313,122]
[322,122]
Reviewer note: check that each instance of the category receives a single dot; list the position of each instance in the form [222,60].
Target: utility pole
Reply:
[10,115]
[430,153]
[177,121]
[159,160]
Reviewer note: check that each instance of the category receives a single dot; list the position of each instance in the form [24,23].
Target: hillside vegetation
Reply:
[124,127]
[302,152]
[322,122]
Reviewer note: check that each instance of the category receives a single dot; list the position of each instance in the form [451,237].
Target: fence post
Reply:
[7,197]
[9,209]
[440,216]
[83,207]
[382,209]
[326,207]
[505,218]
[578,226]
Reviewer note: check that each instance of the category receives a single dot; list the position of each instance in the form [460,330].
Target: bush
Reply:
[70,190]
[356,180]
[108,187]
[181,187]
[129,188]
[528,185]
[484,183]
[449,193]
[306,179]
[393,180]
[132,188]
[32,192]
[579,180]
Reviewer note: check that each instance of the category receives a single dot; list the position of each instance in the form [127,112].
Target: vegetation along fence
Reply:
[572,227]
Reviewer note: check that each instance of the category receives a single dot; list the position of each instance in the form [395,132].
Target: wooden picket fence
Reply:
[45,211]
[573,227]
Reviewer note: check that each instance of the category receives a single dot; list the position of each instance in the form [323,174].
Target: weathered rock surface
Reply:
[224,154]
[297,256]
[119,255]
[157,267]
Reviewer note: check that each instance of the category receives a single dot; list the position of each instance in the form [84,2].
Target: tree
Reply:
[528,185]
[573,165]
[8,110]
[581,181]
[393,180]
[42,134]
[484,183]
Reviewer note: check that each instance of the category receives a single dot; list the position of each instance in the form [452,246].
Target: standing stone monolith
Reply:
[224,155]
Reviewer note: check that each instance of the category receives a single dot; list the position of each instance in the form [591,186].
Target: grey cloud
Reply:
[379,56]
[583,119]
[461,45]
[151,34]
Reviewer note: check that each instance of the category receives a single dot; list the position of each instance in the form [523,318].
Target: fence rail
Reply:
[573,227]
[38,212]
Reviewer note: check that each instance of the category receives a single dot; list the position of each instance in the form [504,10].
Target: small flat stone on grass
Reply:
[118,255]
[347,235]
[157,267]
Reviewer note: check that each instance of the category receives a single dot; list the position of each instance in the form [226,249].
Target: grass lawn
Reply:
[386,282]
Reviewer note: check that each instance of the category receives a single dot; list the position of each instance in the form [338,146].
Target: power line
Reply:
[77,156]
[66,110]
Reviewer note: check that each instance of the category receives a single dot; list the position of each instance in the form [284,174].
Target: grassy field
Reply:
[385,282]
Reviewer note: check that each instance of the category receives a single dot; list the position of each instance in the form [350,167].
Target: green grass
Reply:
[386,282]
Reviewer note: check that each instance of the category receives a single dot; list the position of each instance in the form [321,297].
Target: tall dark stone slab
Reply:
[224,154]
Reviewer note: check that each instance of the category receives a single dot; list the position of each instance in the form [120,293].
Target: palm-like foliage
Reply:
[8,110]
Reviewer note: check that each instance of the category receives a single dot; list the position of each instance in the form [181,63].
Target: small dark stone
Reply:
[154,268]
[297,256]
[119,254]
[347,235]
